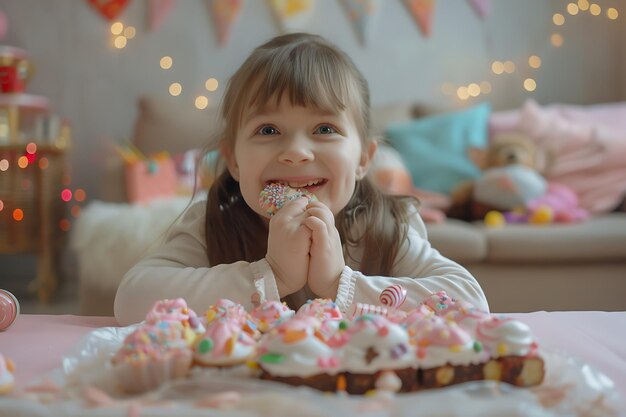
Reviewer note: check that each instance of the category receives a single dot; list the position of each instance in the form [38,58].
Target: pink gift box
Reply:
[150,179]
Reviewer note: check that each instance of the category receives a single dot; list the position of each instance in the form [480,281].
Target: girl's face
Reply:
[302,147]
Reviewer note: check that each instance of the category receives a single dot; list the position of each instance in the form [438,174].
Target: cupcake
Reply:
[151,355]
[270,313]
[224,344]
[174,310]
[225,308]
[440,302]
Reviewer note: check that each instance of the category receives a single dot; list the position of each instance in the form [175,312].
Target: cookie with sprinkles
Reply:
[275,195]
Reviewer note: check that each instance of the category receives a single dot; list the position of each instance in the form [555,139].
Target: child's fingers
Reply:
[293,208]
[319,229]
[323,213]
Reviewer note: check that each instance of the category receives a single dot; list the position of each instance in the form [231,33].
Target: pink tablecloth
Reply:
[36,343]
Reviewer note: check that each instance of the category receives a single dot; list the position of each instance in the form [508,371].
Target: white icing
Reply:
[440,355]
[392,350]
[300,358]
[512,335]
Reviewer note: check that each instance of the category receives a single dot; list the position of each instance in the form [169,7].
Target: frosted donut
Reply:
[274,196]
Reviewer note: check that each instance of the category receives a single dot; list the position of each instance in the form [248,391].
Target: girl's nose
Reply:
[297,150]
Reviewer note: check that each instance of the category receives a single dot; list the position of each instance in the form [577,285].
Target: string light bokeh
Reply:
[29,159]
[534,61]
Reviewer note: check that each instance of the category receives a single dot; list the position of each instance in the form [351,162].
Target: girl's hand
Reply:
[288,247]
[326,252]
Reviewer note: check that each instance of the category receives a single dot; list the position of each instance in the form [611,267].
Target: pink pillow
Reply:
[589,160]
[607,115]
[504,121]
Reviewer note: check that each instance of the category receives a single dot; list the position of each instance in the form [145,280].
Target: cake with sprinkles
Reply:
[439,343]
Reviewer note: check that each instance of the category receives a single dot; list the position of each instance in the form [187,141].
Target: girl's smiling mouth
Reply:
[308,184]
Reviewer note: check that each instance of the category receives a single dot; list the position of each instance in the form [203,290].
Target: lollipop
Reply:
[393,296]
[274,196]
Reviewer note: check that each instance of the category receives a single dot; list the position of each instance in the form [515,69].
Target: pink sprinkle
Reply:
[383,331]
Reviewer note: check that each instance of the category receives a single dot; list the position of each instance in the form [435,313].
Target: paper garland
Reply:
[292,15]
[159,12]
[481,7]
[422,12]
[224,14]
[110,9]
[363,15]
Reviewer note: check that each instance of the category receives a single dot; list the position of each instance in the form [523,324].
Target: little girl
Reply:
[295,113]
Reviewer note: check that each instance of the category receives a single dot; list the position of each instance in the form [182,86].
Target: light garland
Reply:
[30,157]
[529,84]
[122,34]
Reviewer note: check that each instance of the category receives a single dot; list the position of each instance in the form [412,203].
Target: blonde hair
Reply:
[308,71]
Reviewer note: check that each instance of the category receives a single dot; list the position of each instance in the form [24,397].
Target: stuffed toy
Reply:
[512,189]
[390,175]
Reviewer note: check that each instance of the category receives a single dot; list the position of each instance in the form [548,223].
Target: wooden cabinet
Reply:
[33,174]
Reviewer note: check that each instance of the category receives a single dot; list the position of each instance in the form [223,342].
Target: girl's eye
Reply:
[267,130]
[325,130]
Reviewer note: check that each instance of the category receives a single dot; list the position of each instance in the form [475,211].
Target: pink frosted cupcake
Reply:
[224,344]
[321,308]
[174,310]
[151,355]
[440,302]
[271,313]
[225,308]
[326,311]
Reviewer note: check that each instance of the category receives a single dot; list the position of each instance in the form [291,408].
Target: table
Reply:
[36,343]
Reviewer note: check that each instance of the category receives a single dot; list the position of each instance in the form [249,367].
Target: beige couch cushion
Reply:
[458,240]
[598,239]
[172,125]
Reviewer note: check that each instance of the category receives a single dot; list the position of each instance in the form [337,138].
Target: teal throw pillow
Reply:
[435,148]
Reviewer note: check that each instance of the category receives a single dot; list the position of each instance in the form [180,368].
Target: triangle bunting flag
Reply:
[363,15]
[481,7]
[225,14]
[292,15]
[422,12]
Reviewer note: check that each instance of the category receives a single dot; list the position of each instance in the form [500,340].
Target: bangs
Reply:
[305,82]
[303,69]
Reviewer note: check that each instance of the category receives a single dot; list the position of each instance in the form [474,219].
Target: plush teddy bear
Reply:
[512,188]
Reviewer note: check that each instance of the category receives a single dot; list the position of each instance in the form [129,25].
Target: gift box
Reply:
[150,179]
[10,80]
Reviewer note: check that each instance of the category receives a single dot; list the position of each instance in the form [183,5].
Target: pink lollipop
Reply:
[393,296]
[274,196]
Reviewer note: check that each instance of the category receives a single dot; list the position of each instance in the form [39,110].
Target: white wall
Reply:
[96,86]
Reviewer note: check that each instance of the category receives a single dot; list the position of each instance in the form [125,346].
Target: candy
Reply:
[9,309]
[393,296]
[274,196]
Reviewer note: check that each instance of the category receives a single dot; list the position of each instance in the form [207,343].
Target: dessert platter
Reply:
[444,357]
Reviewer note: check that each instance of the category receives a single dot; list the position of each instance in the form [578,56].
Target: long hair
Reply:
[308,71]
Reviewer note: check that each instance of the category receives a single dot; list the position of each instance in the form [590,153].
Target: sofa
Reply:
[521,267]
